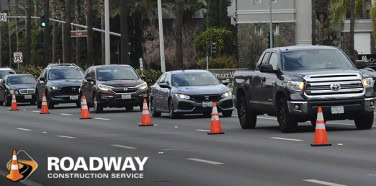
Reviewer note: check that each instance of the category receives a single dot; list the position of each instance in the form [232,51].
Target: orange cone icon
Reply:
[321,138]
[44,105]
[14,174]
[215,126]
[84,109]
[145,120]
[14,106]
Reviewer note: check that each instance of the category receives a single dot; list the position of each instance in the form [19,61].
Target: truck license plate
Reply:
[126,96]
[28,96]
[337,110]
[207,104]
[73,98]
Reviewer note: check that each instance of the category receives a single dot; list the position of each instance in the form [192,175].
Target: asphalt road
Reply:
[181,153]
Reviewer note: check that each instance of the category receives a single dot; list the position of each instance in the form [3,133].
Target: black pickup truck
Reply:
[292,82]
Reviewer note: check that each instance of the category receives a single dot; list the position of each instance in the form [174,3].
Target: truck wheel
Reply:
[365,121]
[287,123]
[247,117]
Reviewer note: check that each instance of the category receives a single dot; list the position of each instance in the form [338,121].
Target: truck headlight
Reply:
[104,87]
[226,94]
[368,82]
[182,96]
[295,86]
[142,86]
[55,88]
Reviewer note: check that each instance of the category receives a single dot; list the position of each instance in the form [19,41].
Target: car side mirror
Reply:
[268,68]
[225,82]
[360,64]
[42,80]
[165,85]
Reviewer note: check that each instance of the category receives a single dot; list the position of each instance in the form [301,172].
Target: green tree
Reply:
[220,36]
[217,13]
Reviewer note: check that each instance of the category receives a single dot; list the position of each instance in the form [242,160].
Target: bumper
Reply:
[121,100]
[191,107]
[307,110]
[25,98]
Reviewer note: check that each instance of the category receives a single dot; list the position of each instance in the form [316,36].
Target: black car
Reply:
[113,86]
[60,83]
[189,92]
[23,85]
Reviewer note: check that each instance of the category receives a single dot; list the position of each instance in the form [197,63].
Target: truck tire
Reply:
[365,121]
[247,117]
[287,123]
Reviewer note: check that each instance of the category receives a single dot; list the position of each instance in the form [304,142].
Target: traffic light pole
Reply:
[161,39]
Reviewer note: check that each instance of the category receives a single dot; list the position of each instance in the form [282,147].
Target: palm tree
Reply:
[373,17]
[90,34]
[179,12]
[124,31]
[77,20]
[54,33]
[28,31]
[46,44]
[67,39]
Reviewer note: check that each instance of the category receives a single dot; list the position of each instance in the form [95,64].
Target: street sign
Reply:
[18,58]
[3,17]
[79,33]
[141,65]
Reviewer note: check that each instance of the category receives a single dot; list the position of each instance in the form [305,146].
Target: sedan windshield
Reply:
[315,60]
[15,80]
[65,73]
[194,79]
[116,73]
[4,73]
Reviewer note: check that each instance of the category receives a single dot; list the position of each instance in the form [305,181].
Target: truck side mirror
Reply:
[268,68]
[360,64]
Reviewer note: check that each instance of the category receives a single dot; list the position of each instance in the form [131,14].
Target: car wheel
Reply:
[247,117]
[365,121]
[153,109]
[129,108]
[173,114]
[287,123]
[227,113]
[49,102]
[39,103]
[97,107]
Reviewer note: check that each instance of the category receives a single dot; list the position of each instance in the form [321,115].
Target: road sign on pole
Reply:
[3,17]
[79,33]
[18,58]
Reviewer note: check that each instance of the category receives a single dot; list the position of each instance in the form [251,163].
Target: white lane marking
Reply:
[205,161]
[160,152]
[36,111]
[23,129]
[125,147]
[176,127]
[202,130]
[103,119]
[69,137]
[345,124]
[44,132]
[323,182]
[63,114]
[261,117]
[287,139]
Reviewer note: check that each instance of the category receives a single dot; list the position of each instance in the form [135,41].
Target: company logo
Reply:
[21,166]
[207,98]
[125,88]
[335,87]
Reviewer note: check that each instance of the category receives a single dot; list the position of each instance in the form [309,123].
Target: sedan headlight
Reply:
[295,86]
[105,87]
[13,91]
[226,94]
[142,86]
[368,82]
[182,96]
[55,88]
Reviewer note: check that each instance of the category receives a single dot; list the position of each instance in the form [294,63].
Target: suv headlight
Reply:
[142,86]
[226,94]
[182,96]
[105,87]
[295,86]
[368,82]
[55,88]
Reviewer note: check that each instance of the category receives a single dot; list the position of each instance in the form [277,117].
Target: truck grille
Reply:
[124,89]
[334,85]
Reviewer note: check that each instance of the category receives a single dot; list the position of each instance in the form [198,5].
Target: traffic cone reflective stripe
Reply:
[14,174]
[321,138]
[215,126]
[146,119]
[44,105]
[14,106]
[84,109]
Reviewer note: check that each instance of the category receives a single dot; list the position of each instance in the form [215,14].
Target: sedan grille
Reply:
[202,98]
[27,91]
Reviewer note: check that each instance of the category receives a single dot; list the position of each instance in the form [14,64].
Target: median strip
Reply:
[202,130]
[286,139]
[124,147]
[205,161]
[68,137]
[323,182]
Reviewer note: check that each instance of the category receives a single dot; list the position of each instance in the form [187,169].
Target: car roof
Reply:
[111,65]
[304,47]
[12,75]
[62,65]
[6,69]
[186,71]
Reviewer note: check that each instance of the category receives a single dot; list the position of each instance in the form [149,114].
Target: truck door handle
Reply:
[263,79]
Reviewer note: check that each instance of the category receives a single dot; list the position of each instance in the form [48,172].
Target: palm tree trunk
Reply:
[46,45]
[10,47]
[63,14]
[17,36]
[124,32]
[352,28]
[28,32]
[77,18]
[68,40]
[54,33]
[90,34]
[179,34]
[101,10]
[313,22]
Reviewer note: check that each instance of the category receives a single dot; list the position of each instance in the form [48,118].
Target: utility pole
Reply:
[107,31]
[271,24]
[161,39]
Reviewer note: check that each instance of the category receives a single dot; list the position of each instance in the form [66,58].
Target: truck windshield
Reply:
[315,60]
[194,79]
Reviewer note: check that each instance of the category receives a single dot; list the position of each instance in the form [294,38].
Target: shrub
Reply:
[150,76]
[222,62]
[30,69]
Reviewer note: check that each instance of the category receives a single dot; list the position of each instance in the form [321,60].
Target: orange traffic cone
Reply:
[215,126]
[84,109]
[14,174]
[14,106]
[321,138]
[145,120]
[44,105]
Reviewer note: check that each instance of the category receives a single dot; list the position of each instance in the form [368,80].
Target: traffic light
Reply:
[268,39]
[214,49]
[43,21]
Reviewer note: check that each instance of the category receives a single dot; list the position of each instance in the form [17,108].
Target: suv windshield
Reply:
[15,80]
[4,73]
[65,73]
[315,60]
[116,73]
[194,79]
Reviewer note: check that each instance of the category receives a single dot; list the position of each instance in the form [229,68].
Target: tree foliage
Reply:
[220,36]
